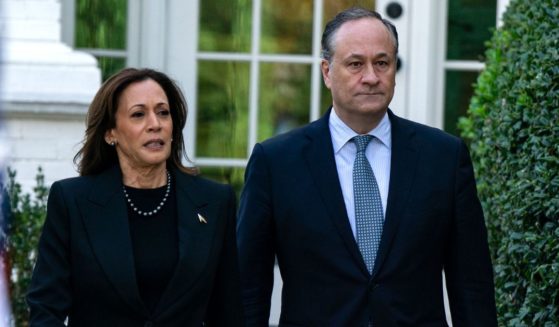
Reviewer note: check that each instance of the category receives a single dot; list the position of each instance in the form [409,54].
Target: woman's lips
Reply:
[154,144]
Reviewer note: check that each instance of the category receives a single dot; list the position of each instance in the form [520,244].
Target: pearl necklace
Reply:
[154,211]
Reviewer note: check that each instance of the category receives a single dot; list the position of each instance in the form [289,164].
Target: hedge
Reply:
[513,130]
[24,228]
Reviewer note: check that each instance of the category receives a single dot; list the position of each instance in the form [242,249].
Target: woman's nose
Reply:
[153,121]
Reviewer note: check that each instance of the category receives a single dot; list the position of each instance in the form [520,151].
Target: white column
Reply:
[36,65]
[400,104]
[181,64]
[428,46]
[46,88]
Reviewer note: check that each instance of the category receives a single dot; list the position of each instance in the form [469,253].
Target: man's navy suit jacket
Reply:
[292,207]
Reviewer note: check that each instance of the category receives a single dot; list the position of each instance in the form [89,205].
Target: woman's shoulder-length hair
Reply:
[95,154]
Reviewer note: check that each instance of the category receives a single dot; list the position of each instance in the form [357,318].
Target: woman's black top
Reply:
[154,241]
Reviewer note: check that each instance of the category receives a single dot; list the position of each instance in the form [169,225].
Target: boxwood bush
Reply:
[24,227]
[513,130]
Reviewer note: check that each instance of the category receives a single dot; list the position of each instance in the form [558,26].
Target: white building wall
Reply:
[45,89]
[45,142]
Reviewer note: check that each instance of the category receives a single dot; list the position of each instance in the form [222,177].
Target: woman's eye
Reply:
[137,114]
[165,112]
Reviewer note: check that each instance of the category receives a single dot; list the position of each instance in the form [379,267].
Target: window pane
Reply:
[284,98]
[332,7]
[287,26]
[101,24]
[222,116]
[469,26]
[227,175]
[459,90]
[225,25]
[110,66]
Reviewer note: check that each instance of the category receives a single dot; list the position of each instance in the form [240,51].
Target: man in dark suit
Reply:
[363,209]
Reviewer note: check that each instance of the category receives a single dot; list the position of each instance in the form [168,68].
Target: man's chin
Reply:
[369,111]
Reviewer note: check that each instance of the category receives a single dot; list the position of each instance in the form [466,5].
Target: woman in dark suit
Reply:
[138,239]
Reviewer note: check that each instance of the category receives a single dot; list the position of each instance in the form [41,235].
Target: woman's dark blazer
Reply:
[85,270]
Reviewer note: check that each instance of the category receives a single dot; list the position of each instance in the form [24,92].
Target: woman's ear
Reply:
[109,138]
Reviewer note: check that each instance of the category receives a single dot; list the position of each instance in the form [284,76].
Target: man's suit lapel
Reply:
[322,166]
[402,171]
[105,218]
[195,238]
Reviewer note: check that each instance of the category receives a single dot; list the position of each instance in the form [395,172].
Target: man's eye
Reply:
[355,64]
[382,65]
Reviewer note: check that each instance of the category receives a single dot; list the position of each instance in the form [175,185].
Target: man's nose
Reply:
[369,75]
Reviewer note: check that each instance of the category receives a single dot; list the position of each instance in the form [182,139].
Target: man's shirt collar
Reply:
[341,133]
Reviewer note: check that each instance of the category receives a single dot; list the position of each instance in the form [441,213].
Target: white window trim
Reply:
[463,65]
[501,7]
[221,162]
[316,77]
[440,73]
[181,62]
[68,21]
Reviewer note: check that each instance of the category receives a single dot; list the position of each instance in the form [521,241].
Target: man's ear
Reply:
[325,68]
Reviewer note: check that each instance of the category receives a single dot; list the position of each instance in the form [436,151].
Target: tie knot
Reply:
[361,141]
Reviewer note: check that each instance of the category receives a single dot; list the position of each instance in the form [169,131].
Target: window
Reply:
[258,75]
[99,28]
[469,26]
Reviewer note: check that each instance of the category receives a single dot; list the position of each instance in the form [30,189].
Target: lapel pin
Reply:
[202,219]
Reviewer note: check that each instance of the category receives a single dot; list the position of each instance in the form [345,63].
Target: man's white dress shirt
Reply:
[378,153]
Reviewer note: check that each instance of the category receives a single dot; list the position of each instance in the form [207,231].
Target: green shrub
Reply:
[513,130]
[26,220]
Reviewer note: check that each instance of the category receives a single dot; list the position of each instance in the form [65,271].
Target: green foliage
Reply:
[27,217]
[513,128]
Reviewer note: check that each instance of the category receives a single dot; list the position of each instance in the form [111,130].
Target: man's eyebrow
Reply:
[354,56]
[360,56]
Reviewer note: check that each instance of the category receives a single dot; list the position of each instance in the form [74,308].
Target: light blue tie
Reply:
[369,216]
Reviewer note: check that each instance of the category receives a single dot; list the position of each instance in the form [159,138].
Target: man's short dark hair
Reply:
[347,15]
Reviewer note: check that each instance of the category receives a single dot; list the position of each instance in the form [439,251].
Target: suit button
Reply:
[148,324]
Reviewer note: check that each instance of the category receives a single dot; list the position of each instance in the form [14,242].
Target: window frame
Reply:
[68,30]
[255,57]
[445,65]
